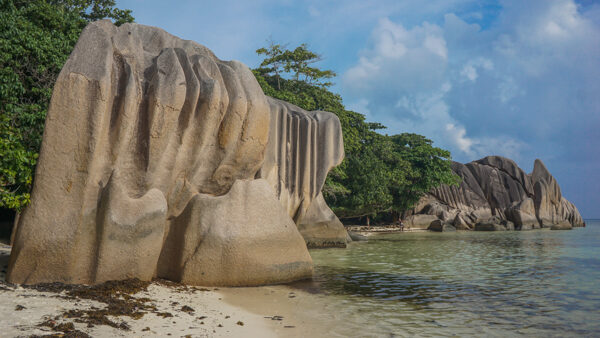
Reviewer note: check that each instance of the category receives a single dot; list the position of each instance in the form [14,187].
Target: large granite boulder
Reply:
[298,140]
[160,160]
[496,186]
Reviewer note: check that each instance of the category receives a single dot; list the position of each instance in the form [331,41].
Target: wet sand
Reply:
[293,311]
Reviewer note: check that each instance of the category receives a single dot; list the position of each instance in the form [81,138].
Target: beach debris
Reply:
[240,323]
[276,317]
[68,329]
[19,307]
[187,309]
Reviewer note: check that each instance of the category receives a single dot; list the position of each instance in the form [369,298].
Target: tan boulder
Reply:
[149,136]
[321,228]
[241,238]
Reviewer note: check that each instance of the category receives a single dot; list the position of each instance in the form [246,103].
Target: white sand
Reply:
[40,306]
[268,311]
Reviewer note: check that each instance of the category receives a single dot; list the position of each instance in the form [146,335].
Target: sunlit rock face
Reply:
[160,160]
[494,188]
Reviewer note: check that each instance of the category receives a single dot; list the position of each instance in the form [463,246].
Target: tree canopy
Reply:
[380,173]
[36,38]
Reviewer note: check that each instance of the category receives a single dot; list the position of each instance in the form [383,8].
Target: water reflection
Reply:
[533,283]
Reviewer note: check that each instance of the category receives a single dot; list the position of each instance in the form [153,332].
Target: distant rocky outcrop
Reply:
[160,160]
[495,194]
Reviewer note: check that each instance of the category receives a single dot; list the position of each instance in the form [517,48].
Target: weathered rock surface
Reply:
[562,225]
[321,228]
[239,242]
[160,160]
[298,141]
[440,226]
[495,190]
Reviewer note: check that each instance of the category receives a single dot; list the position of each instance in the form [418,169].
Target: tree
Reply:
[293,63]
[380,173]
[36,38]
[427,167]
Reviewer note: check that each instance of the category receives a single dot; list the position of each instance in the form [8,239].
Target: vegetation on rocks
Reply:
[380,173]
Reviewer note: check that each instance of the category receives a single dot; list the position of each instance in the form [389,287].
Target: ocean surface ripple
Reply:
[533,283]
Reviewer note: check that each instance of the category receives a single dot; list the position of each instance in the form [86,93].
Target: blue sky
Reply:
[519,79]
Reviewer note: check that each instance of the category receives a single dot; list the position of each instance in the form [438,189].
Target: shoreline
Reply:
[175,310]
[380,229]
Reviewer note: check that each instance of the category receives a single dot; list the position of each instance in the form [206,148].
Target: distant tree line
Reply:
[380,173]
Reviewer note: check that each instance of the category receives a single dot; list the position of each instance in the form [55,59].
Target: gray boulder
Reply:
[420,221]
[563,225]
[440,226]
[494,224]
[496,186]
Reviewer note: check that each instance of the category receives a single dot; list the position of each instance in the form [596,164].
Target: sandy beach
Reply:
[170,310]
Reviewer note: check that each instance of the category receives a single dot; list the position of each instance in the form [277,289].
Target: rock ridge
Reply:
[493,191]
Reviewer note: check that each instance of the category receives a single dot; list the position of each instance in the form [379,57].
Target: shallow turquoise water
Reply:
[534,283]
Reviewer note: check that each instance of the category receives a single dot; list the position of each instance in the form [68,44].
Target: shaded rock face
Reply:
[160,160]
[298,141]
[495,190]
[440,226]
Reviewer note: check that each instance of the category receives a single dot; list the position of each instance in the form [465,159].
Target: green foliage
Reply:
[295,63]
[36,38]
[427,167]
[380,173]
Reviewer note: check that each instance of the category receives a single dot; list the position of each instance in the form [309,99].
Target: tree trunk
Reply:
[14,229]
[368,222]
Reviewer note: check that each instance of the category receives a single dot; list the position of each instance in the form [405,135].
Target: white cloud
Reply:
[469,72]
[505,90]
[436,44]
[457,134]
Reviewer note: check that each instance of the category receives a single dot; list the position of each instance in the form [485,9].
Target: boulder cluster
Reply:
[495,194]
[161,160]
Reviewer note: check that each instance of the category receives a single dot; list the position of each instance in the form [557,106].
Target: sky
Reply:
[519,79]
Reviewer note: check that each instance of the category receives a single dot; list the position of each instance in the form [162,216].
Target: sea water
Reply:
[534,283]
